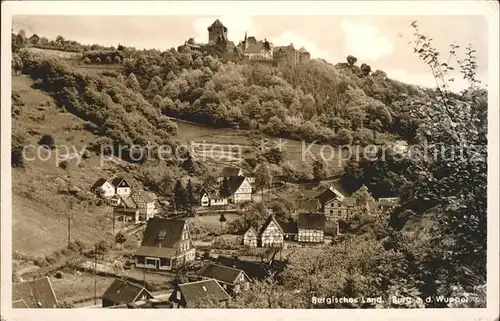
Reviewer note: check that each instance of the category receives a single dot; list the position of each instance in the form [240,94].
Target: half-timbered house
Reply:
[145,204]
[311,228]
[250,238]
[231,279]
[271,234]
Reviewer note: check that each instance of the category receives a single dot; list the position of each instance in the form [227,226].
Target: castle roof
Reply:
[217,23]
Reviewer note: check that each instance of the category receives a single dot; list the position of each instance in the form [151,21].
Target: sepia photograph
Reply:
[250,160]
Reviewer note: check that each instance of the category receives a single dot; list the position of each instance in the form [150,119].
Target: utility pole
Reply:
[68,215]
[113,222]
[95,274]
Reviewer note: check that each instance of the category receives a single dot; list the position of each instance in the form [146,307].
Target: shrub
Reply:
[86,60]
[98,60]
[47,140]
[64,164]
[118,60]
[109,60]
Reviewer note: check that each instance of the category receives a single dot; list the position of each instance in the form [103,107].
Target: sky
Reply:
[379,41]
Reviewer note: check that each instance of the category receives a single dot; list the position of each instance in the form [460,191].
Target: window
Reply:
[246,286]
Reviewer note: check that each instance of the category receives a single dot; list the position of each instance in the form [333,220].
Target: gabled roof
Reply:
[270,219]
[35,294]
[229,171]
[123,292]
[118,181]
[129,202]
[255,48]
[251,230]
[330,194]
[221,273]
[217,23]
[205,289]
[254,270]
[235,183]
[161,237]
[289,228]
[144,195]
[307,205]
[311,221]
[100,182]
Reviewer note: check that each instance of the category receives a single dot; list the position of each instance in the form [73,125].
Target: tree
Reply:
[289,173]
[180,196]
[320,169]
[351,60]
[98,60]
[343,137]
[376,126]
[120,239]
[263,178]
[225,189]
[191,199]
[132,82]
[454,190]
[47,141]
[109,60]
[222,220]
[365,69]
[275,155]
[362,196]
[17,146]
[118,60]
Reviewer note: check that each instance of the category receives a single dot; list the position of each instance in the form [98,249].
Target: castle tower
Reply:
[217,32]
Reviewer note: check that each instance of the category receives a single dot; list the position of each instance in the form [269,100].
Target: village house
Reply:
[229,171]
[150,304]
[290,231]
[34,294]
[145,203]
[123,292]
[271,234]
[34,39]
[232,280]
[335,205]
[207,199]
[250,238]
[166,245]
[103,188]
[240,189]
[257,50]
[122,186]
[127,215]
[304,205]
[197,293]
[388,203]
[311,228]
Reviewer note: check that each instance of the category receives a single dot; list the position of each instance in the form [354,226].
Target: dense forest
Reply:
[339,104]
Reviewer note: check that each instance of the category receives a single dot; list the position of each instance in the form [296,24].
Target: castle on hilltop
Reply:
[249,48]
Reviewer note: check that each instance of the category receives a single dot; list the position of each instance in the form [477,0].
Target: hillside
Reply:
[80,101]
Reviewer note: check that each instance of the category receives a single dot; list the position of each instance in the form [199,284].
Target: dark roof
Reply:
[229,171]
[268,221]
[166,232]
[254,270]
[35,294]
[307,205]
[235,183]
[311,221]
[221,273]
[255,48]
[199,290]
[123,292]
[329,194]
[216,23]
[289,228]
[99,183]
[118,180]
